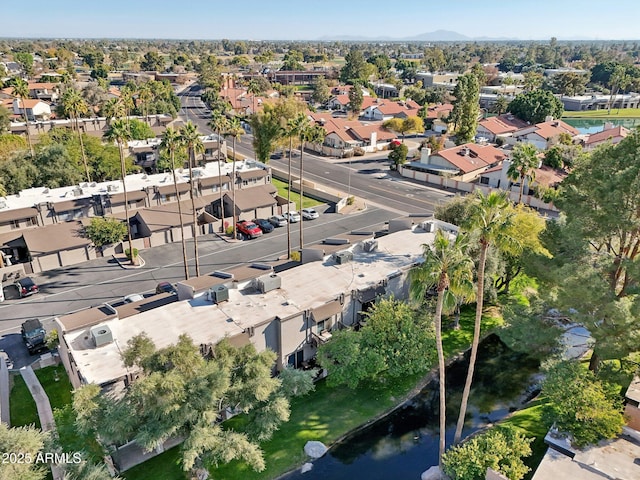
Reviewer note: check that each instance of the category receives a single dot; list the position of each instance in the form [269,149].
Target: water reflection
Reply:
[594,125]
[405,444]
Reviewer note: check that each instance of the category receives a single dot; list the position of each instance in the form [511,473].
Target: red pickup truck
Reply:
[248,229]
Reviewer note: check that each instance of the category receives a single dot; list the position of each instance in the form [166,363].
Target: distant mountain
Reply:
[437,36]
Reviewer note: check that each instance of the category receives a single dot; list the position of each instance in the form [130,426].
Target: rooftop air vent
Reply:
[101,335]
[113,188]
[3,204]
[370,245]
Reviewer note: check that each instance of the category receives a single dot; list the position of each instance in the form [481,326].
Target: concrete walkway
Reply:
[5,416]
[45,413]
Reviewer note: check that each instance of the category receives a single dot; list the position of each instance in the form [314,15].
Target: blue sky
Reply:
[309,20]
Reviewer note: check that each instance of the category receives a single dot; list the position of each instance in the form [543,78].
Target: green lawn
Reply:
[21,404]
[56,383]
[295,197]
[615,113]
[529,422]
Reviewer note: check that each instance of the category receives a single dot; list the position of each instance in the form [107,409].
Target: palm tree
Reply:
[490,219]
[119,132]
[253,88]
[190,138]
[312,134]
[524,162]
[171,142]
[126,99]
[447,268]
[113,108]
[235,131]
[75,106]
[21,90]
[301,126]
[291,131]
[219,124]
[617,81]
[145,95]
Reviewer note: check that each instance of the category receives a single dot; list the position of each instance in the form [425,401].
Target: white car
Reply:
[133,297]
[309,214]
[292,216]
[278,221]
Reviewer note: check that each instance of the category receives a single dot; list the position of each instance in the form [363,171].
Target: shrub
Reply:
[127,252]
[295,256]
[229,230]
[102,231]
[347,154]
[351,200]
[358,152]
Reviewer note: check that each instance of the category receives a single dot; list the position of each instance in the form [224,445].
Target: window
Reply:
[30,222]
[320,327]
[15,224]
[295,359]
[484,180]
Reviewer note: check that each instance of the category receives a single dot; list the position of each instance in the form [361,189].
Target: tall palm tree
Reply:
[219,124]
[190,138]
[490,220]
[145,95]
[75,106]
[524,162]
[312,134]
[446,267]
[119,132]
[21,90]
[617,80]
[291,131]
[113,108]
[235,131]
[126,99]
[171,142]
[300,128]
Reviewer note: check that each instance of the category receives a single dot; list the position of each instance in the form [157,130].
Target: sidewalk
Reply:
[45,413]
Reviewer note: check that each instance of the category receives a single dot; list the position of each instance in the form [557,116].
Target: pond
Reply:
[405,444]
[594,125]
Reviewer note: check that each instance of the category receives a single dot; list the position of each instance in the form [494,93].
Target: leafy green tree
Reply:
[394,342]
[355,68]
[27,441]
[403,126]
[569,83]
[26,62]
[382,63]
[466,108]
[501,105]
[100,71]
[501,449]
[490,221]
[293,60]
[398,155]
[266,130]
[140,130]
[190,138]
[524,162]
[602,228]
[356,98]
[619,80]
[181,393]
[119,133]
[152,62]
[449,270]
[11,144]
[5,119]
[103,231]
[320,89]
[581,404]
[18,173]
[170,143]
[56,167]
[536,106]
[21,91]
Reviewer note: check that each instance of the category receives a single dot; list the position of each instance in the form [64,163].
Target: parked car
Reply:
[248,229]
[34,335]
[292,216]
[264,225]
[165,287]
[26,286]
[278,221]
[309,214]
[133,297]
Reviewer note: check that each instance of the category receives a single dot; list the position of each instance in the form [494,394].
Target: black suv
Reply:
[26,286]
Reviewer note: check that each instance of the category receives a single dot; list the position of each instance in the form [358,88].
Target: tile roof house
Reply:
[501,126]
[385,110]
[35,109]
[463,162]
[610,134]
[542,135]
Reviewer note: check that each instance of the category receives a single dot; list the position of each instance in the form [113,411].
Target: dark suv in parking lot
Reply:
[26,286]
